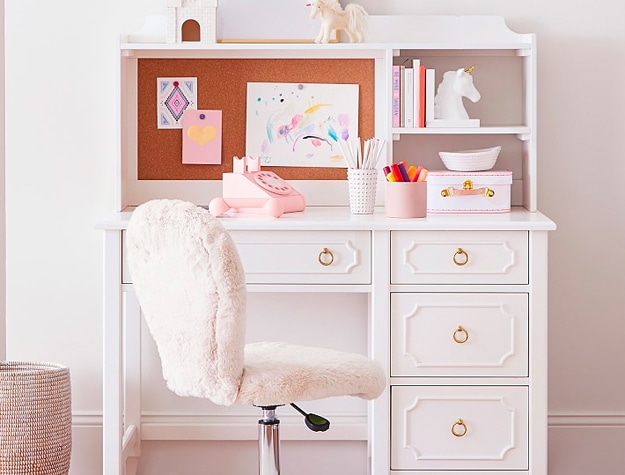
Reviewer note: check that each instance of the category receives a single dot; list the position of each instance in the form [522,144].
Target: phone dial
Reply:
[249,189]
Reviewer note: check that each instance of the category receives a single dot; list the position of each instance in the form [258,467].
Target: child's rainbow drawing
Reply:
[299,125]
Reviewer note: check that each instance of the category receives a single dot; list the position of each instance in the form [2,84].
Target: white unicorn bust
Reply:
[454,86]
[353,20]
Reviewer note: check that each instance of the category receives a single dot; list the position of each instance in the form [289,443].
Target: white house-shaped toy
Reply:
[191,20]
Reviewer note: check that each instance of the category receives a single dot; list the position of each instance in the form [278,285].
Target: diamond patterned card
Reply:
[175,95]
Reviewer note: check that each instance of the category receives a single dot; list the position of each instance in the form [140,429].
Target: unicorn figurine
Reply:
[454,86]
[353,20]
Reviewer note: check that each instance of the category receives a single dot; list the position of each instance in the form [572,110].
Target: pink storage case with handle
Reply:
[469,192]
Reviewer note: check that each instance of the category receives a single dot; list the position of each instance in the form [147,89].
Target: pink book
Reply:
[420,121]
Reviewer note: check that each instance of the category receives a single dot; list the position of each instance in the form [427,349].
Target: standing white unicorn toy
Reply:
[353,20]
[448,101]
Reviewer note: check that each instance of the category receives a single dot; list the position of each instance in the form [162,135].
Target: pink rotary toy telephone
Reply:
[248,189]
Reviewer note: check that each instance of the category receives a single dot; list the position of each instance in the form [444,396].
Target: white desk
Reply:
[381,257]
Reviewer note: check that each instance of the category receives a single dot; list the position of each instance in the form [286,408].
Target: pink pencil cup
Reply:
[406,199]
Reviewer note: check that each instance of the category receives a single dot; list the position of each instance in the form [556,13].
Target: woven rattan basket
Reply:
[35,418]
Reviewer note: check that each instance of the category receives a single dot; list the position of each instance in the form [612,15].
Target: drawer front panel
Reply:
[298,257]
[459,428]
[279,257]
[459,334]
[459,257]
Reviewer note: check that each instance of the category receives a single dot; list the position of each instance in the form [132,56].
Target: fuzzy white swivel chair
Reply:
[190,284]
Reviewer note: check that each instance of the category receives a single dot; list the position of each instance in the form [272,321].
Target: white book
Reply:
[430,92]
[409,98]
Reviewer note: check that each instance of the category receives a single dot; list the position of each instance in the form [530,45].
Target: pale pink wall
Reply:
[61,183]
[2,204]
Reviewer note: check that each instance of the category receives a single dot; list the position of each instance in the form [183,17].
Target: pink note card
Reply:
[201,137]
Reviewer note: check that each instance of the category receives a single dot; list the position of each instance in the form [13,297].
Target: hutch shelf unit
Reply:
[454,306]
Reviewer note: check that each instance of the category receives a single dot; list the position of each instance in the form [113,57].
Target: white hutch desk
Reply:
[455,306]
[497,387]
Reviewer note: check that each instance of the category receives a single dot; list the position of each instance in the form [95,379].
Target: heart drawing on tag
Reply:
[202,136]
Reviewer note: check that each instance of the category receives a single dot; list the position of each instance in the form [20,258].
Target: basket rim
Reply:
[472,153]
[30,367]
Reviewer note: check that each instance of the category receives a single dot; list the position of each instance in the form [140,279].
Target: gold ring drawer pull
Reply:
[459,429]
[460,257]
[326,258]
[461,335]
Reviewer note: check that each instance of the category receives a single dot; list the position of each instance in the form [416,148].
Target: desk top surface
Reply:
[340,218]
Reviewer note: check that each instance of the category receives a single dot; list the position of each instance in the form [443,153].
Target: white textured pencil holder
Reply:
[362,186]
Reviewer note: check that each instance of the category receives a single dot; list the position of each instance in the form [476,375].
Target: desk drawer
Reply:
[305,257]
[459,428]
[459,334]
[459,257]
[298,257]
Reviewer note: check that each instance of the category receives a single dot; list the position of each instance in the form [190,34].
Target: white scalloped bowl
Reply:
[471,160]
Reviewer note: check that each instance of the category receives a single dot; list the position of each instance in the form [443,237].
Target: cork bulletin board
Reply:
[222,85]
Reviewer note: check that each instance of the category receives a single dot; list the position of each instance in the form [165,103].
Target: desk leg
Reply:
[379,348]
[131,449]
[112,357]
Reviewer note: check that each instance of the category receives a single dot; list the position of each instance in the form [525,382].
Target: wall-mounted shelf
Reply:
[505,76]
[520,130]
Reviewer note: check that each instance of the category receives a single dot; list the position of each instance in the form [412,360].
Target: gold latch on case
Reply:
[467,189]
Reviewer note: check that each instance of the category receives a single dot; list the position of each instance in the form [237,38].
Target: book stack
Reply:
[409,88]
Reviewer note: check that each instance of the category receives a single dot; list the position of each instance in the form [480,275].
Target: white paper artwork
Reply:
[300,124]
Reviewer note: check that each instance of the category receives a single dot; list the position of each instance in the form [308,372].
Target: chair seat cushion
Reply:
[280,373]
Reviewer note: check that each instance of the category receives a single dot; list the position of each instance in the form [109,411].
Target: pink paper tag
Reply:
[201,137]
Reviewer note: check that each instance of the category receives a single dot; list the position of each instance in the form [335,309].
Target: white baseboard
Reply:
[232,427]
[91,419]
[586,420]
[582,444]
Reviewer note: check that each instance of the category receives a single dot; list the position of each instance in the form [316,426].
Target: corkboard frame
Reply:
[222,85]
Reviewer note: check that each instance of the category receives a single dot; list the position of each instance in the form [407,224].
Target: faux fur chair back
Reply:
[191,284]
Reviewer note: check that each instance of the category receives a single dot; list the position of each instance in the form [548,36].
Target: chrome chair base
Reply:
[269,442]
